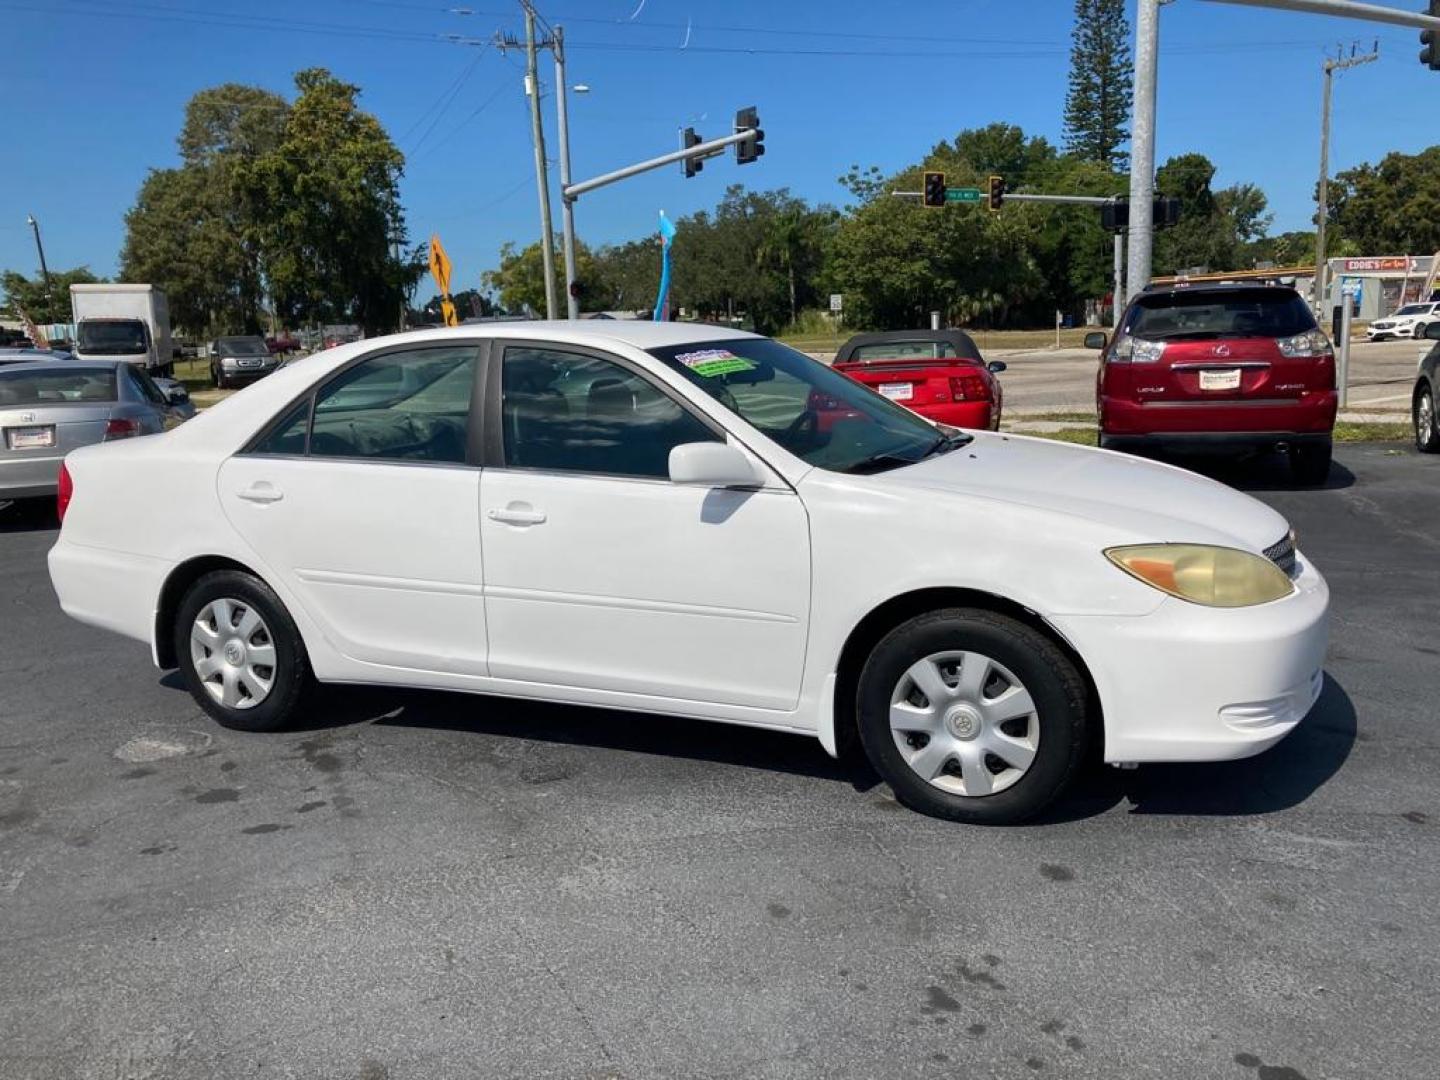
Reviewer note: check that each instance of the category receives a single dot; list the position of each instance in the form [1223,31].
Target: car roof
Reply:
[1215,286]
[639,333]
[62,365]
[962,342]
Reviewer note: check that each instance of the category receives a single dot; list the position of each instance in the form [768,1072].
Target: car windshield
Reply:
[241,346]
[59,387]
[1215,313]
[819,415]
[111,337]
[1413,309]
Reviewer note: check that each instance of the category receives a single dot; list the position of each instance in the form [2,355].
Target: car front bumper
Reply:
[1193,683]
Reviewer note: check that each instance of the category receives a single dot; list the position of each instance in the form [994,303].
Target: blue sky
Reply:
[94,93]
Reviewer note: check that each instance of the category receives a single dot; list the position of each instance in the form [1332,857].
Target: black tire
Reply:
[1427,435]
[1056,687]
[291,678]
[1310,463]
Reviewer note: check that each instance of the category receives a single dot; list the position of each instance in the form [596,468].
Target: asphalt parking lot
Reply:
[430,886]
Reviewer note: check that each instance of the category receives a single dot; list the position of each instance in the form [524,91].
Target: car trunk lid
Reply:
[918,383]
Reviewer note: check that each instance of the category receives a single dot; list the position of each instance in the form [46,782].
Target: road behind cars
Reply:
[433,886]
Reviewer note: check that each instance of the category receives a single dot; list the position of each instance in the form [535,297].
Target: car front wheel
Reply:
[972,716]
[240,653]
[1427,432]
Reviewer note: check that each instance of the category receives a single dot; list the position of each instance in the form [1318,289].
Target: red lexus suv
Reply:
[1219,367]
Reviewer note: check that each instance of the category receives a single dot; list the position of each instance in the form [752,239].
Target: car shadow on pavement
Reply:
[577,725]
[1282,777]
[1262,472]
[28,515]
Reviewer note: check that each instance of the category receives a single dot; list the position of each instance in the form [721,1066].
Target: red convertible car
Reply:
[936,373]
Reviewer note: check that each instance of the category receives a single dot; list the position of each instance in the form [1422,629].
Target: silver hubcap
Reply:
[964,723]
[233,653]
[1424,417]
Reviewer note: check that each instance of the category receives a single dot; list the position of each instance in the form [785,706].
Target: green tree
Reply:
[330,209]
[520,279]
[43,304]
[1097,103]
[1392,208]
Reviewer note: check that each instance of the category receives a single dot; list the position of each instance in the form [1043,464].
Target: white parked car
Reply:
[1408,322]
[695,521]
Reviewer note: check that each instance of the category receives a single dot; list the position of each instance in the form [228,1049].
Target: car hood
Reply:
[1147,501]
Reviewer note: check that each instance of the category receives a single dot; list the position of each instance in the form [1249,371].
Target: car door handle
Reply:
[518,514]
[262,492]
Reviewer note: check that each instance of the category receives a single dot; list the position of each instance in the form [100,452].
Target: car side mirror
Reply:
[713,464]
[996,366]
[175,395]
[1096,340]
[1432,331]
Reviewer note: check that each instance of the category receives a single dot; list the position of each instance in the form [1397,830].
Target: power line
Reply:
[459,85]
[478,110]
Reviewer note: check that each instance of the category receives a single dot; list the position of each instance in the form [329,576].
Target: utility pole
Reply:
[567,202]
[1322,289]
[542,176]
[44,270]
[1118,304]
[1142,145]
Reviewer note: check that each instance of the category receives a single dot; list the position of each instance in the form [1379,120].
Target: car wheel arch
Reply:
[889,614]
[172,592]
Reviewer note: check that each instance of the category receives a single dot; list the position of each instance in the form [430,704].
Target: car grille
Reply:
[1282,554]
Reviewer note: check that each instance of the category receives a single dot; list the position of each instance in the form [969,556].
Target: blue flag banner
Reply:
[667,236]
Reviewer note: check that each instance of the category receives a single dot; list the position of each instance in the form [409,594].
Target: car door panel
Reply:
[385,555]
[648,587]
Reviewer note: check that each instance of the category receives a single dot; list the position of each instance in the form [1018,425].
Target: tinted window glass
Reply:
[402,406]
[565,411]
[241,346]
[905,350]
[148,389]
[60,387]
[809,408]
[1213,313]
[111,337]
[288,436]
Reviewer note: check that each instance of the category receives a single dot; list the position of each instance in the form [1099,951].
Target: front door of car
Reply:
[601,573]
[361,499]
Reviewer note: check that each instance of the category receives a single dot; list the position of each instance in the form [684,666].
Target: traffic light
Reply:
[1167,212]
[751,149]
[691,165]
[1430,54]
[934,190]
[997,193]
[1115,215]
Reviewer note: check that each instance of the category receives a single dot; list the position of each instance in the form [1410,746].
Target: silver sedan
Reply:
[51,407]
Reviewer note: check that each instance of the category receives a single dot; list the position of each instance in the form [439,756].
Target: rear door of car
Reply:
[361,496]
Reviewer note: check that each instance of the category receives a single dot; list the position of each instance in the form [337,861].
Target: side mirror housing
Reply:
[996,366]
[713,464]
[1096,340]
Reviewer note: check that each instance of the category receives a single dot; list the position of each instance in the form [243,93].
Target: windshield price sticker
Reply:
[712,363]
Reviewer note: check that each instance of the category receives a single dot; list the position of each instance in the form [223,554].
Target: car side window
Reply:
[410,405]
[571,412]
[152,393]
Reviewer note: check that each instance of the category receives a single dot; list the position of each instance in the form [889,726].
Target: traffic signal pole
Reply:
[699,150]
[567,202]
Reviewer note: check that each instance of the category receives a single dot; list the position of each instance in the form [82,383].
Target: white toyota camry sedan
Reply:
[688,520]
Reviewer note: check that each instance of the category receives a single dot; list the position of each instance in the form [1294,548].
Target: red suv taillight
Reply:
[64,490]
[121,429]
[970,388]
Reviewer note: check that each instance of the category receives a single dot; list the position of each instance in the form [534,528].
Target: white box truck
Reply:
[130,322]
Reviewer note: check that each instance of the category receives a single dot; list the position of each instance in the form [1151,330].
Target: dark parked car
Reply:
[1233,368]
[1427,393]
[238,360]
[936,373]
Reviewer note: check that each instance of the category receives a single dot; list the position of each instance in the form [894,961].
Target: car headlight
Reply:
[1213,576]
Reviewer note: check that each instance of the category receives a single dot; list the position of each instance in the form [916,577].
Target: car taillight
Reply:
[1127,349]
[1311,343]
[970,388]
[64,490]
[121,429]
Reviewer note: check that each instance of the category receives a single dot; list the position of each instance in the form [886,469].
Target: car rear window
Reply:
[905,350]
[56,387]
[1216,313]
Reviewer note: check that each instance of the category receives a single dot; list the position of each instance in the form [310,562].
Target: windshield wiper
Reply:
[945,443]
[879,463]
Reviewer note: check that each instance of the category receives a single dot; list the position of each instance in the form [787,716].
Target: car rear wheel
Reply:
[240,653]
[1427,433]
[1310,462]
[972,716]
